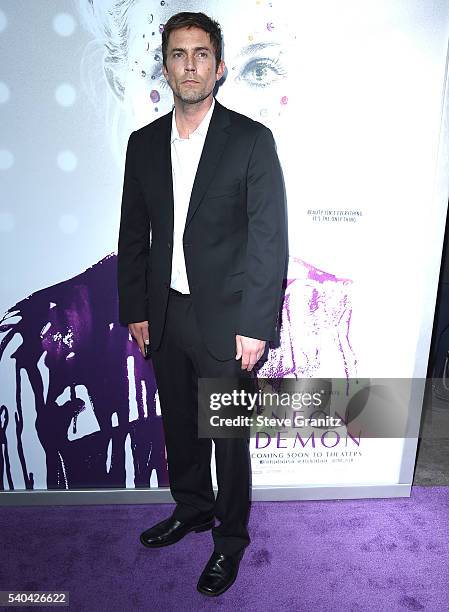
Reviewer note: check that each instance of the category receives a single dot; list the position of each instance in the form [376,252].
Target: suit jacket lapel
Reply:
[216,138]
[162,168]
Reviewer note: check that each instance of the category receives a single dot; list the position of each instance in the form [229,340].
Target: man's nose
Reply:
[190,64]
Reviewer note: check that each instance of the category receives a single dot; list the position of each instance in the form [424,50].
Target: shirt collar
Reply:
[201,130]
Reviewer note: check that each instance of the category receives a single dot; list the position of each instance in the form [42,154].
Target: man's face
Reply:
[191,70]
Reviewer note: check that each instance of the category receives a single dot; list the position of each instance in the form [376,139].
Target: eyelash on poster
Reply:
[266,62]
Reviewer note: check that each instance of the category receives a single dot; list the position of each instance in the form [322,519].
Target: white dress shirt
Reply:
[185,157]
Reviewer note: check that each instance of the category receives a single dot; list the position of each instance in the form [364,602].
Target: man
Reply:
[206,293]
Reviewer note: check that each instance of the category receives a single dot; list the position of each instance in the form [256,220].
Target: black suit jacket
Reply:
[235,239]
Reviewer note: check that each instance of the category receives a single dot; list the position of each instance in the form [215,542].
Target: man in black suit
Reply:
[201,260]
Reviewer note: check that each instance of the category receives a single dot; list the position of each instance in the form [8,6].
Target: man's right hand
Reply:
[141,333]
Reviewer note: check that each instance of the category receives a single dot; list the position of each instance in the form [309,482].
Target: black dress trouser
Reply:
[179,361]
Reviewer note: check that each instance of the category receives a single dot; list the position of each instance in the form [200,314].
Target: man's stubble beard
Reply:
[194,98]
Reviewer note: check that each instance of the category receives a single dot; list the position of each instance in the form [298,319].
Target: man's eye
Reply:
[262,72]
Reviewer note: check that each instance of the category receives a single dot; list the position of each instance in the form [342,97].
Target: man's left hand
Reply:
[250,350]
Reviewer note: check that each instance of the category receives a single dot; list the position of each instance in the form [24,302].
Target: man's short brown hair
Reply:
[196,20]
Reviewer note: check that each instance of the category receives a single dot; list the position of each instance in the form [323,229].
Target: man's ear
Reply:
[220,70]
[164,72]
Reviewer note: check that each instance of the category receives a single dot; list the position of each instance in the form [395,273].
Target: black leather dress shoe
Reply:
[171,530]
[219,574]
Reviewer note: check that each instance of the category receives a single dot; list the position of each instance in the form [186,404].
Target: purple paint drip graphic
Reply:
[315,320]
[72,326]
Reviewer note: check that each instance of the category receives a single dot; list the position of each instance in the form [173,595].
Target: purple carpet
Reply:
[323,556]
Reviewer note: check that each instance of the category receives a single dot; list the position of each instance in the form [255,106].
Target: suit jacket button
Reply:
[169,245]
